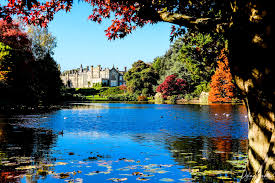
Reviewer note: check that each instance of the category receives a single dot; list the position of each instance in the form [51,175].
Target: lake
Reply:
[118,142]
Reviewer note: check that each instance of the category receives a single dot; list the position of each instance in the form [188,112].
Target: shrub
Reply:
[142,98]
[122,97]
[171,86]
[172,99]
[159,99]
[188,97]
[112,91]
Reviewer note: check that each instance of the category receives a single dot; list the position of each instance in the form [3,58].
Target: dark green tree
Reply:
[141,78]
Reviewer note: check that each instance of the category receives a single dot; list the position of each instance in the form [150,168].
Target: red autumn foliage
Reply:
[171,86]
[221,82]
[127,16]
[123,87]
[12,35]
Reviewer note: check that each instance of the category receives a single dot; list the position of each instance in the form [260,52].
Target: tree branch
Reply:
[192,22]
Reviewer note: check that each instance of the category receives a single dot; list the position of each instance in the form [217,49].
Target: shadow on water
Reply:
[101,142]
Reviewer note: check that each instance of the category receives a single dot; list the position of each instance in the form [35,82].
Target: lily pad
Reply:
[166,180]
[142,179]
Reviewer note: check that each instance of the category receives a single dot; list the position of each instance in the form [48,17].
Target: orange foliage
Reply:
[221,82]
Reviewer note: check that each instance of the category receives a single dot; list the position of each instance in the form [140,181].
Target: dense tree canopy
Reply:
[27,77]
[141,78]
[171,86]
[192,57]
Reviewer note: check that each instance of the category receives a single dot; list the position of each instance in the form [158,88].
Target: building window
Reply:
[113,83]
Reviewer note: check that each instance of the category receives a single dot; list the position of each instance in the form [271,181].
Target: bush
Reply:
[159,99]
[142,98]
[112,91]
[86,91]
[188,97]
[122,97]
[173,99]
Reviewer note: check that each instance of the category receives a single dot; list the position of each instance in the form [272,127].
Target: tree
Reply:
[171,86]
[43,42]
[247,25]
[221,82]
[193,58]
[141,78]
[29,80]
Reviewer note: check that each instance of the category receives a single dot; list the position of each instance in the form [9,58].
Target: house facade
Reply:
[87,77]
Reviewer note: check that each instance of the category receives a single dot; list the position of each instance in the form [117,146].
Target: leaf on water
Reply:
[186,179]
[91,173]
[224,178]
[201,167]
[137,173]
[78,180]
[166,180]
[25,167]
[216,172]
[147,175]
[10,164]
[48,165]
[191,162]
[185,170]
[168,166]
[162,171]
[186,153]
[129,160]
[219,152]
[142,179]
[118,179]
[63,175]
[61,163]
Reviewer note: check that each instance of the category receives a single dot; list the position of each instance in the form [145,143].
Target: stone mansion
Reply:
[87,77]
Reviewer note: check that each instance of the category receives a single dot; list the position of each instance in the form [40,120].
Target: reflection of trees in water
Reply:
[26,145]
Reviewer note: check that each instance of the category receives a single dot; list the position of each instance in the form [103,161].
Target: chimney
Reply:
[92,70]
[125,69]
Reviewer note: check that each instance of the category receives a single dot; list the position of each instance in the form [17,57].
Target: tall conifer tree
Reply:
[221,82]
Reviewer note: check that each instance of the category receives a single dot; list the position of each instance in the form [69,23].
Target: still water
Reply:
[116,142]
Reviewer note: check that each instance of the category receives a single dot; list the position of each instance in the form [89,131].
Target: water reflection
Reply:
[97,142]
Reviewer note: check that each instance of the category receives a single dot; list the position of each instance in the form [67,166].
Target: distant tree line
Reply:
[184,71]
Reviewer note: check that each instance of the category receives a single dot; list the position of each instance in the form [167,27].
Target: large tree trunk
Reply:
[252,63]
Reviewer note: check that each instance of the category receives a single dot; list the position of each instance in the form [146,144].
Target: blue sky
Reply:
[80,41]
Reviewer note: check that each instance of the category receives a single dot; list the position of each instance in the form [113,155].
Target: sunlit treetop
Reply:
[205,15]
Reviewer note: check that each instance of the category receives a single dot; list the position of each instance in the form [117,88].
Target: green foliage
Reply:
[173,99]
[43,42]
[97,85]
[141,78]
[192,57]
[86,91]
[123,97]
[112,91]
